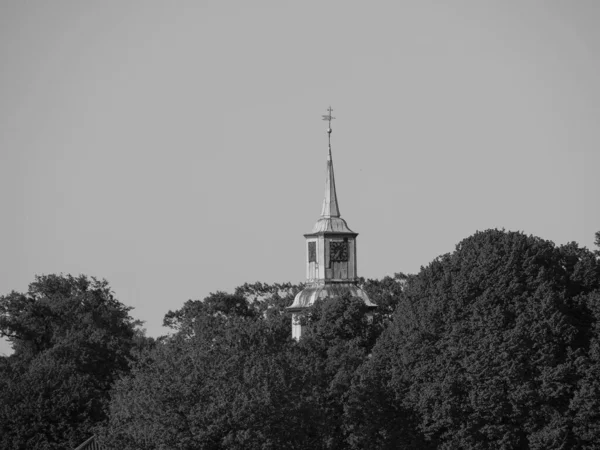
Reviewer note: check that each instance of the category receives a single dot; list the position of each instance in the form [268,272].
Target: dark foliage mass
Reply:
[493,346]
[71,339]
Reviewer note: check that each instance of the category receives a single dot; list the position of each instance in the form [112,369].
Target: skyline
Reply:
[178,150]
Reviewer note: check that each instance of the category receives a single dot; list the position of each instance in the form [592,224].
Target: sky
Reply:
[176,148]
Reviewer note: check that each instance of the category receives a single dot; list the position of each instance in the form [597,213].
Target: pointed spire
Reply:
[330,203]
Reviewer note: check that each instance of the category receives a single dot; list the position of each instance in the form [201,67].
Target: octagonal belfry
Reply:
[330,253]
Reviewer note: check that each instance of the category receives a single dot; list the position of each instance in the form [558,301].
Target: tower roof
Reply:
[330,202]
[307,296]
[330,220]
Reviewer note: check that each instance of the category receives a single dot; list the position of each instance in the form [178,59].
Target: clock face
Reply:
[338,251]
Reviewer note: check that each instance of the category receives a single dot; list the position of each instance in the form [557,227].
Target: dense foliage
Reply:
[71,339]
[493,346]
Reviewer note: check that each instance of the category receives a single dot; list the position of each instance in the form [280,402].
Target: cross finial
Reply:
[329,118]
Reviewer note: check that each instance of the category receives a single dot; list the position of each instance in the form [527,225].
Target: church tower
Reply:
[331,258]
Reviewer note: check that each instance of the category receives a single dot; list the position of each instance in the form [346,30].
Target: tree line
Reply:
[495,345]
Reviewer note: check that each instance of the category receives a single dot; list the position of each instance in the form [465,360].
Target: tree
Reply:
[217,304]
[374,414]
[257,300]
[230,379]
[227,378]
[385,293]
[487,346]
[229,384]
[585,405]
[338,338]
[71,340]
[48,404]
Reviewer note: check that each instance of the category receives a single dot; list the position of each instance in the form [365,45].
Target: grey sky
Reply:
[176,148]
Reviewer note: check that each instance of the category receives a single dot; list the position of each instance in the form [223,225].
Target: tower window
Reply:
[312,252]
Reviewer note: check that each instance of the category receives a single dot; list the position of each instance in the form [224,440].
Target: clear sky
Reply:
[177,148]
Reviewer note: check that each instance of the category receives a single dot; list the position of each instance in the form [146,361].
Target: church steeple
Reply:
[330,203]
[331,259]
[330,220]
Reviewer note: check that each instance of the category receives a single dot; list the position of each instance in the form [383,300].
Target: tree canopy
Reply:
[224,379]
[71,339]
[493,346]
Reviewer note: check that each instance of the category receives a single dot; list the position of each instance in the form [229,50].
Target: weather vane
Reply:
[329,118]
